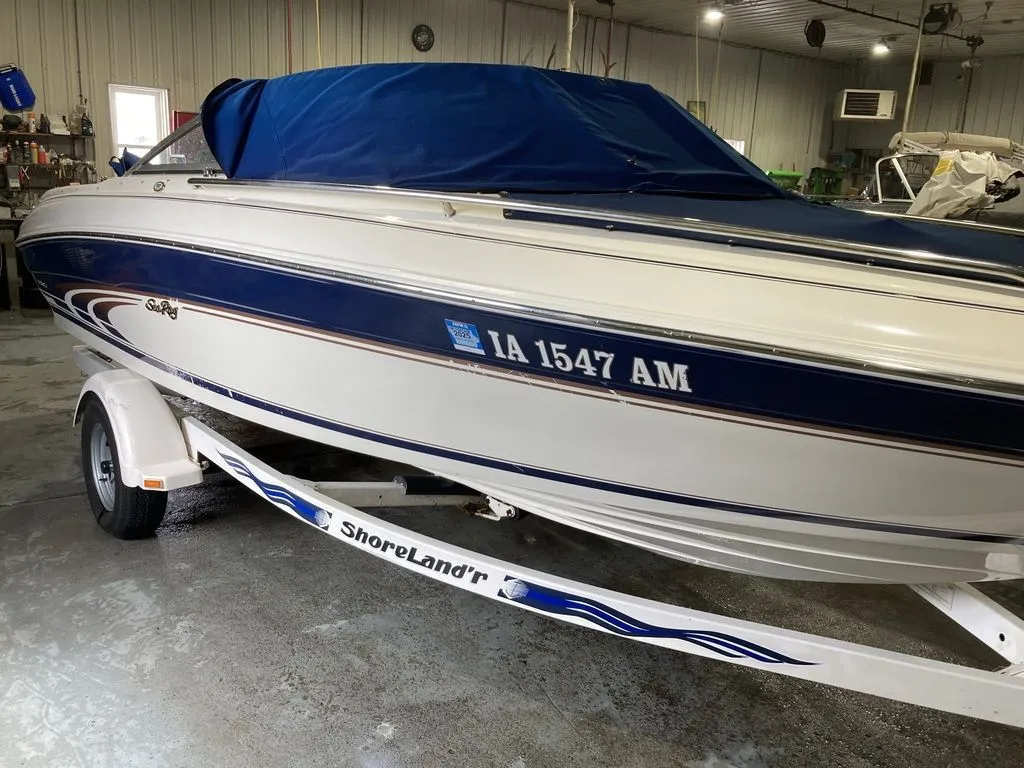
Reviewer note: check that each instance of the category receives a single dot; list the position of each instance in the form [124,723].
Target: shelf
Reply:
[36,135]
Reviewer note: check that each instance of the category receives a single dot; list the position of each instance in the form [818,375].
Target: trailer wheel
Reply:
[127,513]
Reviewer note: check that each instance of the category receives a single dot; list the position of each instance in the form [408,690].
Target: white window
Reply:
[139,118]
[738,144]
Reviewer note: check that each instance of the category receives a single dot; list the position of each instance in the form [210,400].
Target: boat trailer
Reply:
[136,447]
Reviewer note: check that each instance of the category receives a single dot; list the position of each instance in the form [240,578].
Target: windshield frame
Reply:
[892,163]
[141,167]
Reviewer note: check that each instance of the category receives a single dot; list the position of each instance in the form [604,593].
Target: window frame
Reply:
[163,110]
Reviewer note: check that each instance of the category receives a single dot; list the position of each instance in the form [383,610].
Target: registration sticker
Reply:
[465,337]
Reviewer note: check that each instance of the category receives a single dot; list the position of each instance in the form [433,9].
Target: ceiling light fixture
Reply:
[714,14]
[881,48]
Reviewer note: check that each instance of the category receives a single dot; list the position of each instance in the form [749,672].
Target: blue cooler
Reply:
[16,94]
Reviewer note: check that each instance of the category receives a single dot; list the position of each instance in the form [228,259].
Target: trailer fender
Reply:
[152,450]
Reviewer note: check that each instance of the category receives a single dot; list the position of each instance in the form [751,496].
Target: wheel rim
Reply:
[102,461]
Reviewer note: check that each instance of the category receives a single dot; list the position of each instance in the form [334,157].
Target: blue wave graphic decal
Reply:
[564,604]
[102,311]
[278,494]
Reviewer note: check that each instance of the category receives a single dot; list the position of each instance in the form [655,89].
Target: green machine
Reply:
[785,179]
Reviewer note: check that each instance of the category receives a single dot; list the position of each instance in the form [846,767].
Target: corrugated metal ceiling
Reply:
[779,24]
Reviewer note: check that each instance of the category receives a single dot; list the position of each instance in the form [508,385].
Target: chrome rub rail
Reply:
[870,255]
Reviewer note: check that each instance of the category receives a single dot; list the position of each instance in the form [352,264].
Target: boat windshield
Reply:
[184,151]
[889,183]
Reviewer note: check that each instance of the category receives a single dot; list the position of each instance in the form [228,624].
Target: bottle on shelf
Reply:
[34,153]
[31,122]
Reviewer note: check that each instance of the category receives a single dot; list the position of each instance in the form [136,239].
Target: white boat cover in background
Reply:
[964,142]
[957,184]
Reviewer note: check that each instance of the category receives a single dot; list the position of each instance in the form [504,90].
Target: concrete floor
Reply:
[240,637]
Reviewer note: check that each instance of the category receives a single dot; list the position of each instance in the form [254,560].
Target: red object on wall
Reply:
[178,119]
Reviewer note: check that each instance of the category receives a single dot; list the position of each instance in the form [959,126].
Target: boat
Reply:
[902,178]
[566,293]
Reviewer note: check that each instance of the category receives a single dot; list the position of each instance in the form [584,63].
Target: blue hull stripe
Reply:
[727,380]
[539,472]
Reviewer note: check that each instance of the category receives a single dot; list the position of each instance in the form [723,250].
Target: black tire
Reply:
[127,513]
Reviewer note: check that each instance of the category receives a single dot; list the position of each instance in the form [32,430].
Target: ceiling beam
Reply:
[846,7]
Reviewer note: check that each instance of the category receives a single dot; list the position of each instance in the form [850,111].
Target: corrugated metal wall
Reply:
[40,40]
[776,103]
[995,103]
[793,123]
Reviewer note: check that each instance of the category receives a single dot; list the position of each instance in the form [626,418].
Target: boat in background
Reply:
[566,293]
[906,182]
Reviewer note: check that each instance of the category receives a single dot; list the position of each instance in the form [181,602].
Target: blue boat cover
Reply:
[536,134]
[471,128]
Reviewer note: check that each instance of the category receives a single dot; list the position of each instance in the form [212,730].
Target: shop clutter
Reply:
[26,152]
[37,155]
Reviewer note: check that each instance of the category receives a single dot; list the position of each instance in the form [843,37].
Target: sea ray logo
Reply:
[562,603]
[280,495]
[164,308]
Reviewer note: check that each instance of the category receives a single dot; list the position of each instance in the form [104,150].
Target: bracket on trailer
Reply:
[983,617]
[400,492]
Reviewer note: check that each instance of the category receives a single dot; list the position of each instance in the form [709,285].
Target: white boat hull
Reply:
[727,489]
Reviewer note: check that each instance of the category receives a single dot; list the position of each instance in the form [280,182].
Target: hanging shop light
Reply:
[881,48]
[937,19]
[714,14]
